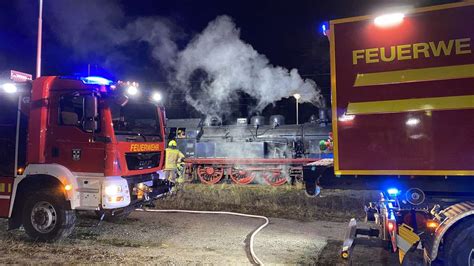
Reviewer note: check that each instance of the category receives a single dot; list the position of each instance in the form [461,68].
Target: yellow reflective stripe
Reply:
[405,240]
[415,75]
[406,232]
[411,105]
[401,255]
[9,187]
[2,187]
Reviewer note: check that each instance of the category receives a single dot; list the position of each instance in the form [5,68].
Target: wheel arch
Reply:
[39,177]
[455,215]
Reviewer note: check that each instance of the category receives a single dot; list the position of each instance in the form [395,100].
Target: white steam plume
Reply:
[233,65]
[226,64]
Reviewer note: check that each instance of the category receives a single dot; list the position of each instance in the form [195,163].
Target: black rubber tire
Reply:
[459,244]
[66,218]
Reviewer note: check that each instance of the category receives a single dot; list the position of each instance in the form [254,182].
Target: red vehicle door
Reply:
[68,142]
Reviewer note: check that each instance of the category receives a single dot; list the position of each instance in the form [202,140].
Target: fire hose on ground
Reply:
[251,245]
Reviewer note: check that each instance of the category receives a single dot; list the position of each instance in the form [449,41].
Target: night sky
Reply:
[287,32]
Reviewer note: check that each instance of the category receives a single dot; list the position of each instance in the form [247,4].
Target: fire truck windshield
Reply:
[136,122]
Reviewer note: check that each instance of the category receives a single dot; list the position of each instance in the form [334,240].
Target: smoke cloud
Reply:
[213,70]
[100,29]
[231,66]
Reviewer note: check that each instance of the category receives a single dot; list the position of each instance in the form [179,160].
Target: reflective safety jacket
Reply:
[173,157]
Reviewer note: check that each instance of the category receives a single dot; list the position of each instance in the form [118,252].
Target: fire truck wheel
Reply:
[459,245]
[46,218]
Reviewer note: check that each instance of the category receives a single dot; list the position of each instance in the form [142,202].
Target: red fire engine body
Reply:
[403,121]
[77,144]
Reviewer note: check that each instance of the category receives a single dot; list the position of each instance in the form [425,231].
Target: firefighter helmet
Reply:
[172,144]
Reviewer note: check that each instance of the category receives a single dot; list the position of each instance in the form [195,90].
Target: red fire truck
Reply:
[403,122]
[77,144]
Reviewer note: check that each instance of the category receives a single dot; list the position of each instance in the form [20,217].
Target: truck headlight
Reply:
[111,190]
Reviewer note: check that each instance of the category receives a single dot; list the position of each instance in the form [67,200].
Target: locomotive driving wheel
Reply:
[241,176]
[209,174]
[274,178]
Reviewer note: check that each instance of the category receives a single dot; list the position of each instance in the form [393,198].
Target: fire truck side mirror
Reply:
[90,107]
[90,113]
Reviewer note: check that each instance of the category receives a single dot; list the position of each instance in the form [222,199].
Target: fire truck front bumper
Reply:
[141,195]
[118,192]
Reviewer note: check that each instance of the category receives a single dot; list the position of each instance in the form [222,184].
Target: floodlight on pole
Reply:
[40,37]
[156,97]
[297,97]
[132,90]
[9,88]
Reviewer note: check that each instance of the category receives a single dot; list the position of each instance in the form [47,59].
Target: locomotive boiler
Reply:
[258,150]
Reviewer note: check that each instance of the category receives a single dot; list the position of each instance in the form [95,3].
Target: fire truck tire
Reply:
[46,217]
[459,245]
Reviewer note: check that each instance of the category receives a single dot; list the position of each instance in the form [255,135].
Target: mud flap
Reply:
[6,185]
[406,239]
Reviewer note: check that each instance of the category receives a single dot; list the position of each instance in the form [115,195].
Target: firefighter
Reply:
[173,158]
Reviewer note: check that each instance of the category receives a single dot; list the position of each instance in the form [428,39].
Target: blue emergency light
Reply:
[393,192]
[96,80]
[324,28]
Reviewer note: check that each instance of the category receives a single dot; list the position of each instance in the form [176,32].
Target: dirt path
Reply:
[155,238]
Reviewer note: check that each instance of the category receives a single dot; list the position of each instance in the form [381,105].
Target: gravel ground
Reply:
[309,231]
[177,239]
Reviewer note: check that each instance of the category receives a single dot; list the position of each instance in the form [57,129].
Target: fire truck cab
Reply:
[71,144]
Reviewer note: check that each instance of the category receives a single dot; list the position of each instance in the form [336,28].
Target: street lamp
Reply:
[9,88]
[132,90]
[156,97]
[297,97]
[40,37]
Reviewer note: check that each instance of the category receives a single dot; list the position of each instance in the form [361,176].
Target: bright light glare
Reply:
[156,97]
[412,122]
[115,199]
[392,191]
[345,118]
[297,96]
[132,90]
[390,226]
[431,224]
[111,190]
[96,80]
[9,88]
[389,20]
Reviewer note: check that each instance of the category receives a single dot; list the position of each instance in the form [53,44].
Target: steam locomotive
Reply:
[255,151]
